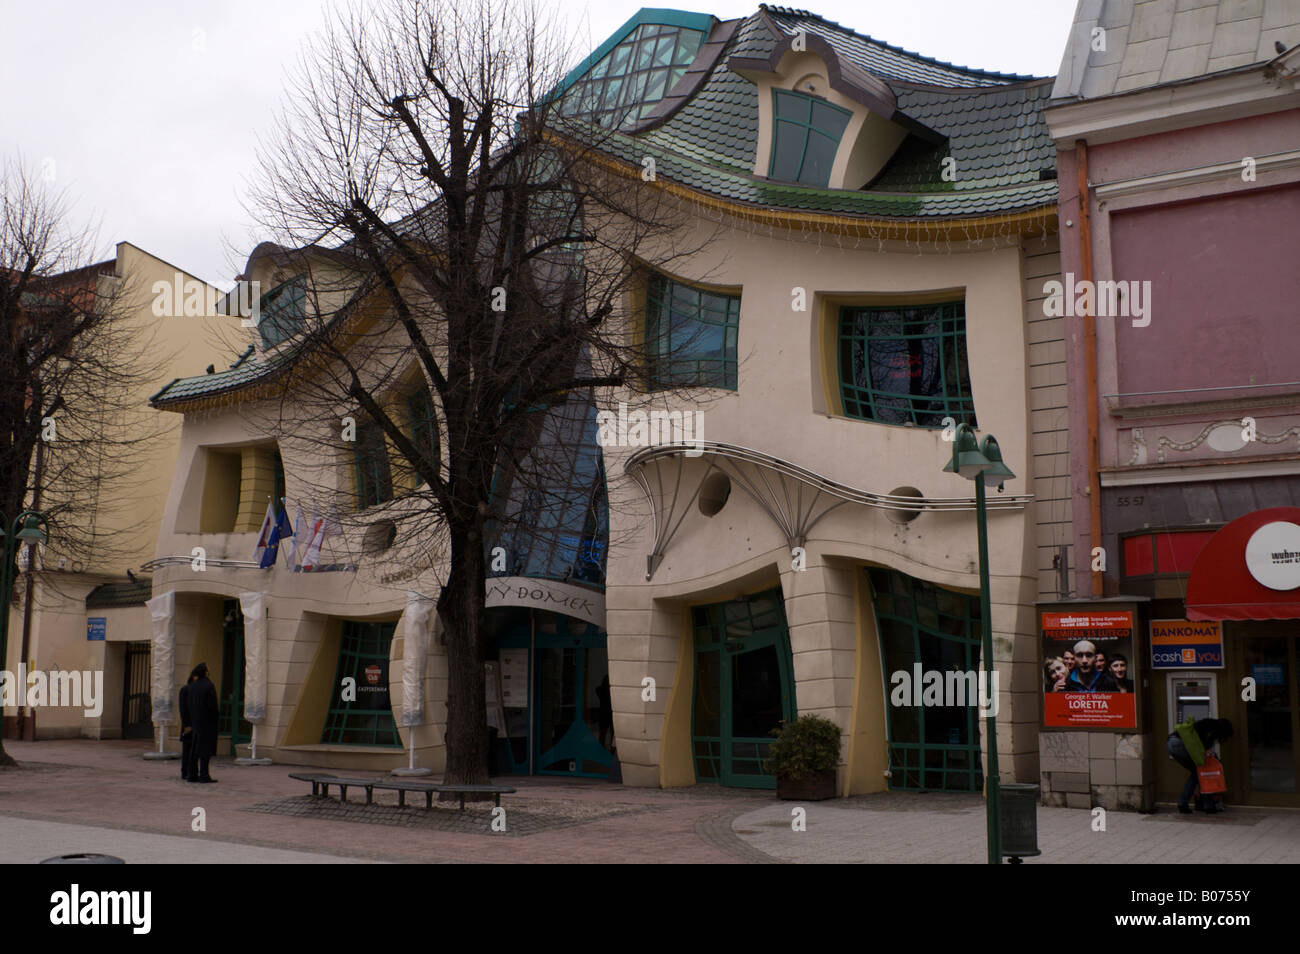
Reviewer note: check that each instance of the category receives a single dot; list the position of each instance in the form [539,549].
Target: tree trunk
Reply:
[462,609]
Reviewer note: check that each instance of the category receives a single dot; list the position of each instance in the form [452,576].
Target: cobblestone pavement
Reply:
[911,827]
[85,796]
[107,786]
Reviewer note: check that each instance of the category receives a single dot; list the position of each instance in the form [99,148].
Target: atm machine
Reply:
[1191,693]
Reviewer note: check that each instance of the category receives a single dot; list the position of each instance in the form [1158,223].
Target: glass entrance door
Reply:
[571,729]
[743,688]
[1271,720]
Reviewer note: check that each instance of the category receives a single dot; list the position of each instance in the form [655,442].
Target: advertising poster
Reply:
[1088,672]
[372,684]
[1186,644]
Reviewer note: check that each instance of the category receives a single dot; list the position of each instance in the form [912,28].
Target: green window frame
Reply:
[931,748]
[691,336]
[806,134]
[626,84]
[373,474]
[368,718]
[905,364]
[424,424]
[283,311]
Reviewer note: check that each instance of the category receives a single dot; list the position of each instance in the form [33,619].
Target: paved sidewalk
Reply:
[916,828]
[86,796]
[25,841]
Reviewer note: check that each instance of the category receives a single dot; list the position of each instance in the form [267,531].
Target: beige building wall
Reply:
[786,407]
[1048,417]
[127,515]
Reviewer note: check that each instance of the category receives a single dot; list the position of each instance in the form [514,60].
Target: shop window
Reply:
[283,311]
[930,747]
[806,135]
[1163,554]
[374,477]
[905,365]
[691,335]
[367,719]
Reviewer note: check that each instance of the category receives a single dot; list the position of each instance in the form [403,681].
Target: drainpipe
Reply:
[1090,368]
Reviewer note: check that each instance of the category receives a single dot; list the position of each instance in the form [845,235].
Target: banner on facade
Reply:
[253,606]
[1186,644]
[162,611]
[1088,673]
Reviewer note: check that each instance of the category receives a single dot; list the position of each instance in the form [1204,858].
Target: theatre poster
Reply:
[1088,670]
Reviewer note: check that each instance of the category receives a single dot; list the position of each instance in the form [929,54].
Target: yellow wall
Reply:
[318,689]
[222,475]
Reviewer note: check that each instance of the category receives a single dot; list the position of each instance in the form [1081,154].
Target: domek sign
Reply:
[1273,555]
[575,601]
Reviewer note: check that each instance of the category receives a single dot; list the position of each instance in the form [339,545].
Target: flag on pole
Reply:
[264,535]
[278,532]
[298,536]
[315,538]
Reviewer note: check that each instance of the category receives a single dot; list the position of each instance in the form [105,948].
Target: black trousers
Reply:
[203,768]
[187,753]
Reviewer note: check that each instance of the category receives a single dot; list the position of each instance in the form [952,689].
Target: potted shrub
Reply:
[803,758]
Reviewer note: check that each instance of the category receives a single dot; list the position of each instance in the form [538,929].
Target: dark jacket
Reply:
[186,721]
[204,712]
[1099,682]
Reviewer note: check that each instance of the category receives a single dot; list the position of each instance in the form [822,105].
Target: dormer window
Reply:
[283,311]
[806,136]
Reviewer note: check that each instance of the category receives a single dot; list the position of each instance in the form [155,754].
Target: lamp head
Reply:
[967,460]
[997,472]
[31,531]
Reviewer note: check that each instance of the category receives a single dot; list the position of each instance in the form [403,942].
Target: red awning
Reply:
[1222,587]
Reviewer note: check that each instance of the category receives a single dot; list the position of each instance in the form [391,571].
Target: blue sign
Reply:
[96,627]
[1267,674]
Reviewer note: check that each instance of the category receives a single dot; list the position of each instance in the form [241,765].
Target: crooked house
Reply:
[887,222]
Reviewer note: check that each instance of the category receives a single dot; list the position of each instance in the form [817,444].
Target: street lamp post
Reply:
[983,464]
[29,527]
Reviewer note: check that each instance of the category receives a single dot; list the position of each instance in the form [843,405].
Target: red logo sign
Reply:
[372,674]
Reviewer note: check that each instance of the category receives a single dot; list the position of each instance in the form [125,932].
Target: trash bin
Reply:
[1019,804]
[83,859]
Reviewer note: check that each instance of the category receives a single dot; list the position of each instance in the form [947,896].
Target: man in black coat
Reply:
[187,730]
[204,712]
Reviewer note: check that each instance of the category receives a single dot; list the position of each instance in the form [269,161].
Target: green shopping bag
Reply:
[1191,741]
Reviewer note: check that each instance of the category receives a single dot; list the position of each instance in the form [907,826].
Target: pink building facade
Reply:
[1179,187]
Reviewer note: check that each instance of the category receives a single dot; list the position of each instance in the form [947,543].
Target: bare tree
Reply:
[72,423]
[455,222]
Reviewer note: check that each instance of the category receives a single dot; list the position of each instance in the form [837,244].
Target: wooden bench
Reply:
[321,782]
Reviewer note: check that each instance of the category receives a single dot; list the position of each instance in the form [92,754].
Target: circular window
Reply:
[379,536]
[714,493]
[904,514]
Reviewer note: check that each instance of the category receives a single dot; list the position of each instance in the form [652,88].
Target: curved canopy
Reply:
[1229,578]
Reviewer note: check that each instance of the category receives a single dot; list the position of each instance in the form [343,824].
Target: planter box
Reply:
[815,789]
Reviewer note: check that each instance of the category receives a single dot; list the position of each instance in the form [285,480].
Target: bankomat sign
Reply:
[1186,644]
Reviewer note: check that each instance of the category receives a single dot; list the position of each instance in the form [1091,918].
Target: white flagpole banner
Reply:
[254,609]
[162,658]
[299,540]
[415,653]
[315,537]
[264,535]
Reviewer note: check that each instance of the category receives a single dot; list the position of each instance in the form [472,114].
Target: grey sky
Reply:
[147,111]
